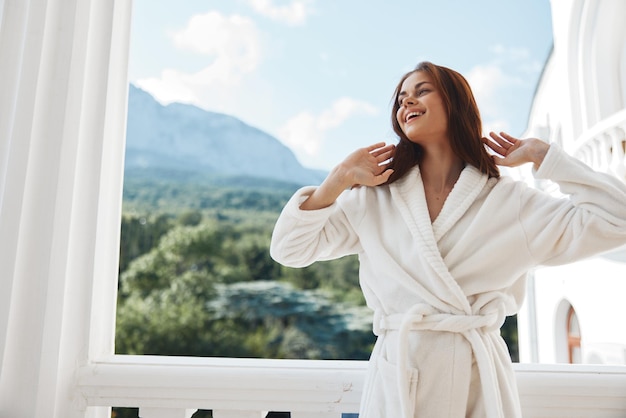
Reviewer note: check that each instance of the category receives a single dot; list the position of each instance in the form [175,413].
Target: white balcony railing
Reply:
[175,387]
[603,146]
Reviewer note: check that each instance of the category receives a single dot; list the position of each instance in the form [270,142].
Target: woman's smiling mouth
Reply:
[412,115]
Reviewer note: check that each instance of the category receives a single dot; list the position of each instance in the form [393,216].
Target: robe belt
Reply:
[424,317]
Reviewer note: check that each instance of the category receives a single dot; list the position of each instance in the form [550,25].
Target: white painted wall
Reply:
[582,86]
[595,289]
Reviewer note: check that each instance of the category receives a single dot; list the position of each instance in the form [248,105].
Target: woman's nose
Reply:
[408,101]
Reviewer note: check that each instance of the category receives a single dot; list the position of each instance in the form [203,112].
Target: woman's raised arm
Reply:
[364,167]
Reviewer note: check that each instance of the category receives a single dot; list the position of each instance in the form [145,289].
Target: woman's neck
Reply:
[440,169]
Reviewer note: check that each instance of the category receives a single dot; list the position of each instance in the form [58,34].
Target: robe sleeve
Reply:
[301,237]
[589,219]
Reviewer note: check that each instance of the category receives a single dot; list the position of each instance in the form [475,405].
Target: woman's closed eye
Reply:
[418,93]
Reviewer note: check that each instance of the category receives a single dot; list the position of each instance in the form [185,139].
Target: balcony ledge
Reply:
[325,387]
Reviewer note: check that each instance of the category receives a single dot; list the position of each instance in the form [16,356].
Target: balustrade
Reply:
[603,147]
[175,387]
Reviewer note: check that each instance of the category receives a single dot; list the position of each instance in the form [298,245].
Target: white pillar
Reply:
[567,17]
[62,121]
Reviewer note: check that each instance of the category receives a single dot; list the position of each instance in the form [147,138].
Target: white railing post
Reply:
[595,152]
[315,415]
[585,155]
[165,413]
[618,161]
[605,151]
[602,145]
[238,414]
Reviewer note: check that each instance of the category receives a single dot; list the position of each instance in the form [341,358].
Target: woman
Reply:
[444,244]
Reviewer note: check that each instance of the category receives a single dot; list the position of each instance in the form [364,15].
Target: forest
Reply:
[196,279]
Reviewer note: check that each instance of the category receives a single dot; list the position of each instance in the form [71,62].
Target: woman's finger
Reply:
[384,156]
[509,138]
[495,146]
[383,177]
[500,140]
[374,147]
[381,150]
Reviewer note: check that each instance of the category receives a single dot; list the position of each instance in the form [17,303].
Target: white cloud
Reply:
[519,57]
[510,53]
[341,110]
[168,88]
[490,83]
[487,83]
[293,13]
[492,87]
[233,38]
[232,46]
[305,132]
[302,134]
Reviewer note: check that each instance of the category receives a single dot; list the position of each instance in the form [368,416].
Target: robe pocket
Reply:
[385,395]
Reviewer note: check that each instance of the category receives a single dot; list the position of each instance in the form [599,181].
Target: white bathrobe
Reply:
[440,291]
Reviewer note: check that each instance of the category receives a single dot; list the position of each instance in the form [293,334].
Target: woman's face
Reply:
[421,113]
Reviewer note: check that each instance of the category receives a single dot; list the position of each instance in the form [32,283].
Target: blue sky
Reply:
[319,74]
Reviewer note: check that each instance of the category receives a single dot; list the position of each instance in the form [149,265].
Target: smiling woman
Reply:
[444,244]
[64,88]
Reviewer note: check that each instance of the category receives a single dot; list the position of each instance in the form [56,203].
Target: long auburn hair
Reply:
[464,124]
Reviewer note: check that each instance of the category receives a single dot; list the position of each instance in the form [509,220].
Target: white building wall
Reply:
[579,104]
[595,289]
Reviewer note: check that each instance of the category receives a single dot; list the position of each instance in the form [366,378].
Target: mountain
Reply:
[182,140]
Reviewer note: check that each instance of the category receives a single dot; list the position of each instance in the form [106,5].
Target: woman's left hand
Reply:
[512,152]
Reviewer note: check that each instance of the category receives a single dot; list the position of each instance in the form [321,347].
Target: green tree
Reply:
[190,217]
[139,234]
[184,249]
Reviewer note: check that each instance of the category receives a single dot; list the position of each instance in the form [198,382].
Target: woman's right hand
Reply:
[364,167]
[367,166]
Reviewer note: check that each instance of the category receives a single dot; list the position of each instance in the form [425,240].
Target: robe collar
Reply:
[409,196]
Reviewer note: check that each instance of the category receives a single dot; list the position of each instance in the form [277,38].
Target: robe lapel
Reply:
[465,191]
[410,199]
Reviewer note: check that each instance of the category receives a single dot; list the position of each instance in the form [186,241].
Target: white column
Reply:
[62,115]
[527,324]
[567,17]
